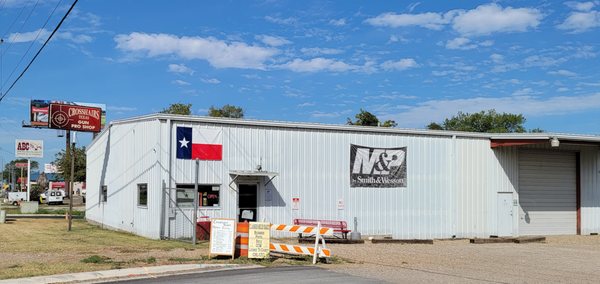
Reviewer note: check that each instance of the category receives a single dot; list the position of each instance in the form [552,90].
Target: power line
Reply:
[31,44]
[14,21]
[10,42]
[40,50]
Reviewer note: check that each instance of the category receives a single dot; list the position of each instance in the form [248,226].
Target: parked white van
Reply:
[52,196]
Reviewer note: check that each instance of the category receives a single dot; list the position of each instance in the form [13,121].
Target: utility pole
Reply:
[71,185]
[67,178]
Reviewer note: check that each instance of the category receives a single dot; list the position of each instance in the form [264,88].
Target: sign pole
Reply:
[71,186]
[196,200]
[67,178]
[28,178]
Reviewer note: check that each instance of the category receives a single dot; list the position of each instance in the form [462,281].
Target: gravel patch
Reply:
[562,259]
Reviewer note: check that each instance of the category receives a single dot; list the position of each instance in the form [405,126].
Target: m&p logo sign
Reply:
[377,167]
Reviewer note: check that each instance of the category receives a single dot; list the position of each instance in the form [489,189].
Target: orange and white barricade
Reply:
[319,250]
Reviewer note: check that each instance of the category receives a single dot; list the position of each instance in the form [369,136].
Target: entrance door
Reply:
[505,214]
[247,200]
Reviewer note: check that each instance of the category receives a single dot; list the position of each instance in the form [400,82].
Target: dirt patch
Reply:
[561,259]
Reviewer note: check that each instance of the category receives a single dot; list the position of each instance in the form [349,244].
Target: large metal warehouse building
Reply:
[410,184]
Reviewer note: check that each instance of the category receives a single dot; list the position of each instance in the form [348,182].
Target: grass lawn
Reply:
[33,247]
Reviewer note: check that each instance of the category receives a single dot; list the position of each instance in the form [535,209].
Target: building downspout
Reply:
[169,183]
[162,194]
[453,185]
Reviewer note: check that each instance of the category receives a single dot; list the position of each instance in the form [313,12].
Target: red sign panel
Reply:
[21,165]
[75,117]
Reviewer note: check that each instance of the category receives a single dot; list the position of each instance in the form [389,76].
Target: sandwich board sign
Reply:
[258,241]
[222,237]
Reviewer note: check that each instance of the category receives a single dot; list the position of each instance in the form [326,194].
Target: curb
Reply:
[41,216]
[129,273]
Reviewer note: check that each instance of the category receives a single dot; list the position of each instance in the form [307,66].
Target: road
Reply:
[287,274]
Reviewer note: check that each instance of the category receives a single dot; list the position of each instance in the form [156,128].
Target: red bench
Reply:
[340,227]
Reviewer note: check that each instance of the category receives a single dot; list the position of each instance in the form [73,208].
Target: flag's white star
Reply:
[184,143]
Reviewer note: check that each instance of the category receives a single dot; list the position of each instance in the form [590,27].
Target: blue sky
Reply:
[313,61]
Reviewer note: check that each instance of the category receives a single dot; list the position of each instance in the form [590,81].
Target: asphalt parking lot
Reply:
[561,259]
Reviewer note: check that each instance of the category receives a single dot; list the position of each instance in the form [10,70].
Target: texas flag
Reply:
[199,143]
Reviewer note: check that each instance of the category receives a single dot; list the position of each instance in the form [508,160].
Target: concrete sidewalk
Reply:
[129,273]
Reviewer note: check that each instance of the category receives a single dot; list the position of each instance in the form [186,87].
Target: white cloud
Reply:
[180,82]
[338,22]
[329,114]
[315,51]
[562,89]
[412,6]
[542,61]
[180,68]
[563,72]
[402,64]
[42,34]
[497,58]
[307,104]
[437,110]
[523,92]
[317,64]
[578,22]
[273,40]
[218,53]
[434,21]
[581,6]
[120,108]
[491,18]
[460,43]
[211,81]
[39,34]
[282,21]
[483,20]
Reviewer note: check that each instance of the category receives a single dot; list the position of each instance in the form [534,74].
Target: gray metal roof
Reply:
[354,128]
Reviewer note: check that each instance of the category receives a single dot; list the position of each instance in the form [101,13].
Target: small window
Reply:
[143,194]
[104,194]
[208,195]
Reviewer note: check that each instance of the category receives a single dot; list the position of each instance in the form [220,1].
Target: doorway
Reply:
[247,202]
[505,214]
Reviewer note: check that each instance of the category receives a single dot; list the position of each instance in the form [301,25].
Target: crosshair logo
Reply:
[60,119]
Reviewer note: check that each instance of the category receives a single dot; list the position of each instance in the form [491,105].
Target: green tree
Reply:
[178,108]
[366,118]
[226,111]
[64,165]
[484,121]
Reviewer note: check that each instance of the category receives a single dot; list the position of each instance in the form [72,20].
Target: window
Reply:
[143,194]
[208,195]
[104,193]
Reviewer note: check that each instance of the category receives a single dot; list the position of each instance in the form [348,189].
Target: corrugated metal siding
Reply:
[481,172]
[125,156]
[452,183]
[590,190]
[314,166]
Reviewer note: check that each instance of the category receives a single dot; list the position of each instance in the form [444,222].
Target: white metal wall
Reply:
[121,158]
[452,182]
[449,193]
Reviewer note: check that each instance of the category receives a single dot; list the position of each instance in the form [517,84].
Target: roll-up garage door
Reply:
[547,193]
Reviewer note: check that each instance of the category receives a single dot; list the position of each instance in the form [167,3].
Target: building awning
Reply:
[258,174]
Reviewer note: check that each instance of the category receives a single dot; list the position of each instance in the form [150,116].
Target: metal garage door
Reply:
[547,194]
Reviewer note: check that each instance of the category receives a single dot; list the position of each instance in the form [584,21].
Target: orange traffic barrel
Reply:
[241,240]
